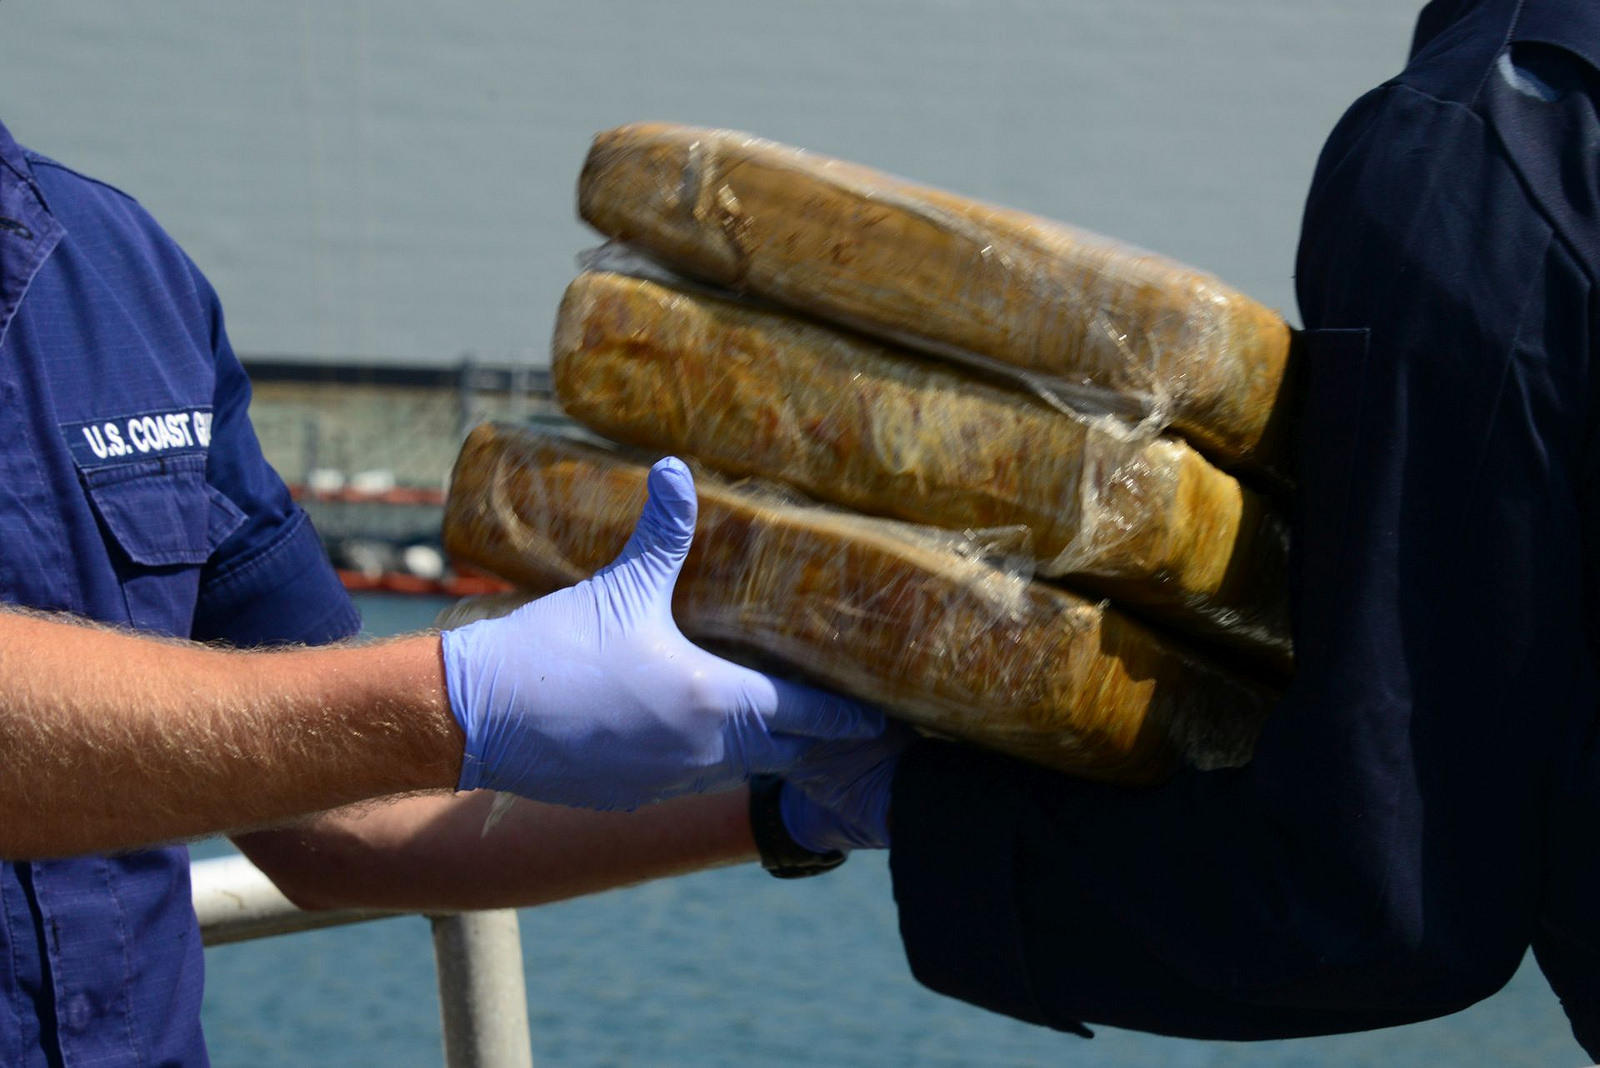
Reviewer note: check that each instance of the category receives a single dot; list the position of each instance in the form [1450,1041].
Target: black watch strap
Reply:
[781,855]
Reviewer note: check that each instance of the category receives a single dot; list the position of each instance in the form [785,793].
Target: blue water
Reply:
[732,967]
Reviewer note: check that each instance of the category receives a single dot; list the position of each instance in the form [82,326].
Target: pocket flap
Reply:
[162,512]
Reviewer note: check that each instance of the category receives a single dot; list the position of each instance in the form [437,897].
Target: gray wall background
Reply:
[395,180]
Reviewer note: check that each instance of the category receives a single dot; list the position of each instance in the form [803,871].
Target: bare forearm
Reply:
[428,853]
[110,741]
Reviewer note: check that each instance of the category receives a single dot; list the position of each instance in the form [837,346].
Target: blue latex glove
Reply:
[837,797]
[591,697]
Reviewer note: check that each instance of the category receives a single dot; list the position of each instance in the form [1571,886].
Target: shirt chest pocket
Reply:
[161,522]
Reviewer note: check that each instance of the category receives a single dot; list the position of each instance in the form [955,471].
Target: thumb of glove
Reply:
[642,576]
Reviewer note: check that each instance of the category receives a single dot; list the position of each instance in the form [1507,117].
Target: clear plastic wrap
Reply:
[911,619]
[1098,324]
[748,392]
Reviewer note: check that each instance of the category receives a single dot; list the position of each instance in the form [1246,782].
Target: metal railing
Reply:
[483,1001]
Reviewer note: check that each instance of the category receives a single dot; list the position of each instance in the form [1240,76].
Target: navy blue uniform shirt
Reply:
[1425,802]
[132,491]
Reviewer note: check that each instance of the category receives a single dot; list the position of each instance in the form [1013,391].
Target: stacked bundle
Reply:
[949,378]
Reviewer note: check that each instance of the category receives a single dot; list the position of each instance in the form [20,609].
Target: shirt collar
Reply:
[11,153]
[28,232]
[1435,18]
[1570,24]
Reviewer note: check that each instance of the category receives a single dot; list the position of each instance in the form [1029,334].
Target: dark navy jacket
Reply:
[132,490]
[1425,802]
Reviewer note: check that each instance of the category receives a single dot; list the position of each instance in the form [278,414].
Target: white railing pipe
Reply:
[483,1001]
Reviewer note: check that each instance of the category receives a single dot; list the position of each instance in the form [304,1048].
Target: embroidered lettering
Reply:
[114,441]
[138,433]
[150,434]
[97,444]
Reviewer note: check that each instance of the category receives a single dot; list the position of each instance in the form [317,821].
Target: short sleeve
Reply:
[269,582]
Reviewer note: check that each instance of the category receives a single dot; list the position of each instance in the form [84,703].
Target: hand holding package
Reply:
[592,697]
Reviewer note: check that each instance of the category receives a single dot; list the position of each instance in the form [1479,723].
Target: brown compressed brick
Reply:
[749,392]
[891,614]
[1088,315]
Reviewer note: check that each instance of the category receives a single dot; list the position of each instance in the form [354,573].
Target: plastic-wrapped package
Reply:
[905,617]
[755,393]
[1084,318]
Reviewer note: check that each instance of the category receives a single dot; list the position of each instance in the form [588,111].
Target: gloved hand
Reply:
[591,697]
[837,797]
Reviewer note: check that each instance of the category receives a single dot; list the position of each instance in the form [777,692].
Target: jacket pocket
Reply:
[162,521]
